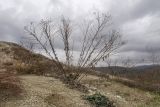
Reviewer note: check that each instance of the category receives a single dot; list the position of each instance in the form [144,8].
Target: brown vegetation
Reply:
[145,79]
[28,62]
[9,86]
[140,85]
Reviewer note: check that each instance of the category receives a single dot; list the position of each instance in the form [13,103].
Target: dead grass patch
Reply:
[57,100]
[139,85]
[9,86]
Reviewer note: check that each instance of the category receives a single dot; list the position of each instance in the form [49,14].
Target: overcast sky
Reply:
[138,20]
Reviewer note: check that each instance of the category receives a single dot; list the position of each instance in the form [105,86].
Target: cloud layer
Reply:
[138,20]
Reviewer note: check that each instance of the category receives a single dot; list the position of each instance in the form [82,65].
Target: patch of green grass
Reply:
[99,100]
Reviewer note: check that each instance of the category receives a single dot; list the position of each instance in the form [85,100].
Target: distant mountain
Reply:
[122,69]
[148,74]
[144,67]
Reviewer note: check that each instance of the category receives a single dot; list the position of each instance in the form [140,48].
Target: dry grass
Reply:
[122,95]
[10,86]
[30,63]
[140,85]
[47,92]
[56,100]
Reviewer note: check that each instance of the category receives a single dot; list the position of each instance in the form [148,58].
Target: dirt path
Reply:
[46,92]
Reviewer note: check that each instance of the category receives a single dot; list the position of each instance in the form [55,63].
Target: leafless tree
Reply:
[44,34]
[27,42]
[153,57]
[99,41]
[112,65]
[97,44]
[127,62]
[65,31]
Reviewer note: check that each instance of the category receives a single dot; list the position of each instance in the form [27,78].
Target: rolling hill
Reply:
[28,79]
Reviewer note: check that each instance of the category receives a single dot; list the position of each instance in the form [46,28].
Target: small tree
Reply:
[127,62]
[112,65]
[99,41]
[153,57]
[27,43]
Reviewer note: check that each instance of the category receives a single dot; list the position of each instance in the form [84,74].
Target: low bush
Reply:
[37,67]
[24,69]
[99,100]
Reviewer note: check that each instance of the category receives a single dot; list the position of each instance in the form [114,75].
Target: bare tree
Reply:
[127,62]
[97,44]
[44,34]
[112,65]
[65,31]
[28,43]
[153,57]
[99,41]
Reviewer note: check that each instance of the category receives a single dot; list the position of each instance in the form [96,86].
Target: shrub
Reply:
[99,100]
[23,69]
[37,67]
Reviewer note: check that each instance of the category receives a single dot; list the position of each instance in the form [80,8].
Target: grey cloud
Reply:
[146,7]
[130,16]
[128,10]
[8,25]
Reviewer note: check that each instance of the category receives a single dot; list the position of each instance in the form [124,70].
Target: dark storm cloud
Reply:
[129,10]
[138,20]
[139,23]
[146,7]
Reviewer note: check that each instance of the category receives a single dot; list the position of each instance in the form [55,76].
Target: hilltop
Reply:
[28,79]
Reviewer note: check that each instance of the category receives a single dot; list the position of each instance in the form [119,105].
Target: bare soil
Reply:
[46,92]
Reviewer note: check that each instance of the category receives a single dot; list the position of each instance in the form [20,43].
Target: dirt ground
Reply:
[46,92]
[40,91]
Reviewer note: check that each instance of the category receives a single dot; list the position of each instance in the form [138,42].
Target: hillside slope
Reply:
[28,73]
[23,61]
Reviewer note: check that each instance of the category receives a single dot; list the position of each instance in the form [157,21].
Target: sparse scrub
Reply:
[9,86]
[141,85]
[30,63]
[24,69]
[6,50]
[37,67]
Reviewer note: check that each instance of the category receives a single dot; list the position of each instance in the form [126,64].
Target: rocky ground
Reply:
[46,92]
